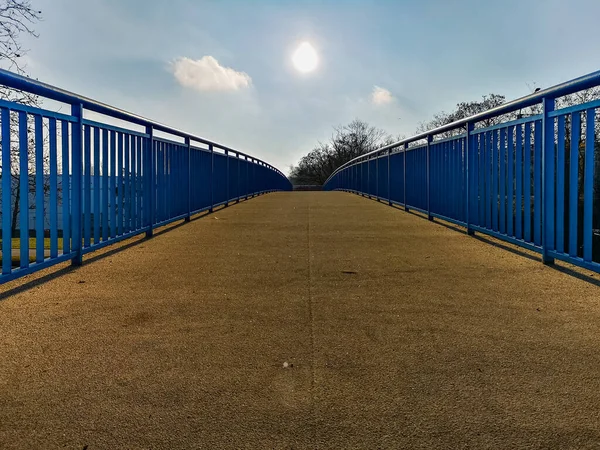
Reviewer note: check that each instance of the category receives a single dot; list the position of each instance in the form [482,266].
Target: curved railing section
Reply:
[532,181]
[71,185]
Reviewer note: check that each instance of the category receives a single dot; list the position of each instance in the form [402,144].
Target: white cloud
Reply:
[206,74]
[381,96]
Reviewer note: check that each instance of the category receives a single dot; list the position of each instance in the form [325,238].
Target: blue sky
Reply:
[222,69]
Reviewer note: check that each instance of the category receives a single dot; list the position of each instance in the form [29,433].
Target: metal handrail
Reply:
[566,88]
[23,83]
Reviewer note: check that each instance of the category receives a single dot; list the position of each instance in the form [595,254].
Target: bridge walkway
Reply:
[302,320]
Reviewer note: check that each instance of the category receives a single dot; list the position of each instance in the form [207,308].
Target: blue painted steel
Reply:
[31,110]
[189,177]
[104,126]
[65,186]
[548,181]
[509,180]
[537,184]
[148,179]
[502,193]
[227,177]
[119,191]
[39,190]
[105,191]
[470,177]
[87,190]
[428,179]
[97,214]
[510,220]
[6,194]
[212,176]
[519,182]
[23,190]
[389,182]
[76,159]
[588,184]
[494,202]
[127,203]
[113,185]
[98,183]
[481,177]
[139,186]
[527,183]
[560,186]
[489,177]
[53,163]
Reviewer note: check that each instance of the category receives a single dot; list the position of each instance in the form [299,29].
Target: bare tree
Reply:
[16,19]
[462,111]
[348,142]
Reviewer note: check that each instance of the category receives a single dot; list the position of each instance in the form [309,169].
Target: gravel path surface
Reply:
[302,320]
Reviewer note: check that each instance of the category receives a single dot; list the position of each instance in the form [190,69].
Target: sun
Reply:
[305,58]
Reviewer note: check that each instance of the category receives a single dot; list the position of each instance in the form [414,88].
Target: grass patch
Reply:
[16,243]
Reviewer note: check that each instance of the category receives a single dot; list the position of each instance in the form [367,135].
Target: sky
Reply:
[223,69]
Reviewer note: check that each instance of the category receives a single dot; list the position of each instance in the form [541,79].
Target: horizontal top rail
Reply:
[23,83]
[566,88]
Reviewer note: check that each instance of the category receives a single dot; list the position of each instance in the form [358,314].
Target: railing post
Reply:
[77,208]
[404,158]
[389,182]
[548,180]
[189,178]
[247,176]
[227,178]
[377,176]
[429,141]
[6,191]
[369,176]
[212,177]
[468,154]
[238,159]
[150,180]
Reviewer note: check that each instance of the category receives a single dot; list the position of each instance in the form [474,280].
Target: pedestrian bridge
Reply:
[185,298]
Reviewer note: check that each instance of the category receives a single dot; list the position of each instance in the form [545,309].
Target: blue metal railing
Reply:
[71,185]
[532,181]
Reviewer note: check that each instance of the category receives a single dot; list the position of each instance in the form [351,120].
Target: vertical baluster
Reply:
[53,187]
[143,194]
[6,194]
[212,178]
[489,179]
[495,180]
[537,180]
[104,185]
[119,193]
[588,185]
[548,180]
[147,149]
[560,186]
[126,185]
[97,188]
[113,184]
[39,189]
[428,180]
[23,190]
[77,169]
[66,187]
[510,230]
[502,193]
[519,182]
[482,180]
[87,191]
[470,177]
[527,182]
